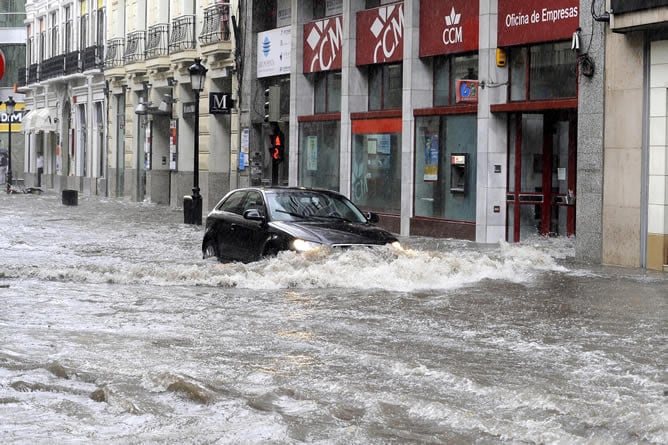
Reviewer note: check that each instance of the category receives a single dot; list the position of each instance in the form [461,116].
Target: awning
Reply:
[38,120]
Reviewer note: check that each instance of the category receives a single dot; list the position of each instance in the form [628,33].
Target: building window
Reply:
[54,34]
[83,29]
[447,70]
[546,71]
[319,159]
[376,171]
[30,45]
[385,86]
[68,29]
[99,40]
[445,172]
[42,40]
[327,97]
[327,9]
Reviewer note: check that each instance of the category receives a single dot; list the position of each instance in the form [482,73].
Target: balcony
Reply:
[215,37]
[182,39]
[92,58]
[72,63]
[157,47]
[114,56]
[134,49]
[33,73]
[52,68]
[135,52]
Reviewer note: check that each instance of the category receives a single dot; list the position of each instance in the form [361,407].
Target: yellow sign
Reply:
[16,120]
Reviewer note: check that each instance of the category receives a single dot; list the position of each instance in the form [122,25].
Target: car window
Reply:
[296,205]
[254,201]
[234,202]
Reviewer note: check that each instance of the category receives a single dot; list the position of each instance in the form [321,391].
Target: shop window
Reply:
[445,167]
[385,86]
[13,13]
[376,171]
[447,70]
[327,97]
[327,9]
[546,71]
[319,157]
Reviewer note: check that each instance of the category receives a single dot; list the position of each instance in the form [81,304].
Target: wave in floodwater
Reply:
[366,268]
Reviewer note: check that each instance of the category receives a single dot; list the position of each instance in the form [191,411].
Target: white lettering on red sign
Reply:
[543,16]
[452,32]
[390,29]
[325,35]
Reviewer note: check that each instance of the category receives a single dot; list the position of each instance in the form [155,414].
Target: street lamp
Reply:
[10,104]
[192,211]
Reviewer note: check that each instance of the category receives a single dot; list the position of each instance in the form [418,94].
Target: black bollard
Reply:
[70,197]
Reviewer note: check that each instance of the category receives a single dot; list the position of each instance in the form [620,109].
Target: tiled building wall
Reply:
[657,243]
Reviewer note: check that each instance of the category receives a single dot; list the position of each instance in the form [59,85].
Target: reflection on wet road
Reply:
[114,330]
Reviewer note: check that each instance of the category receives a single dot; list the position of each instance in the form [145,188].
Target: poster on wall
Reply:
[245,144]
[147,148]
[173,124]
[59,160]
[312,153]
[273,58]
[431,150]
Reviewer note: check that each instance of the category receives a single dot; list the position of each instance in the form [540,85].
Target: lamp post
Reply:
[192,211]
[10,104]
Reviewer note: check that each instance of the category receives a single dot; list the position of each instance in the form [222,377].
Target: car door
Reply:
[226,220]
[250,235]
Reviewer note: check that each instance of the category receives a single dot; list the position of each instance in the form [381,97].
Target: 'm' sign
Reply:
[323,40]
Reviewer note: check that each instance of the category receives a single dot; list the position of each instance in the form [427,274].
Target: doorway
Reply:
[542,170]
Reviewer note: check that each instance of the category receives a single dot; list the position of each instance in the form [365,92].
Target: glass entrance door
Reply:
[541,168]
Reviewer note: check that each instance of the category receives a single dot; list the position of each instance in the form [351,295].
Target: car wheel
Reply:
[270,251]
[210,250]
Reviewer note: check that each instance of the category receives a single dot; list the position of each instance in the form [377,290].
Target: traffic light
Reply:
[276,147]
[272,104]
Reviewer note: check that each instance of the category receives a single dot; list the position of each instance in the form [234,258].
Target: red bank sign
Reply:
[448,26]
[322,45]
[380,34]
[532,21]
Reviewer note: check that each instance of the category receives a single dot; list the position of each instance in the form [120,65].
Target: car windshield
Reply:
[295,205]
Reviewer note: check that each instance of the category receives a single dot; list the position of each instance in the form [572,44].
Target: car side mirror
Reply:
[253,215]
[372,217]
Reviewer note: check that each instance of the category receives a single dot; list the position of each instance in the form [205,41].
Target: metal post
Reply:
[197,198]
[10,104]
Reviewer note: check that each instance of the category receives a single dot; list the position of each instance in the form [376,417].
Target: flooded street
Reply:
[113,329]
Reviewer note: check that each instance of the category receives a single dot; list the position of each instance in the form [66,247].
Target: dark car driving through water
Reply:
[251,223]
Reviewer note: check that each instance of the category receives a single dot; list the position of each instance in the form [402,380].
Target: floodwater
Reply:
[113,329]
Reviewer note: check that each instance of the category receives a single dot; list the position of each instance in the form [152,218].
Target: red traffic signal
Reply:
[276,148]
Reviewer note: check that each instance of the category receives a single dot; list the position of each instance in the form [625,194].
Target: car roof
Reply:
[280,189]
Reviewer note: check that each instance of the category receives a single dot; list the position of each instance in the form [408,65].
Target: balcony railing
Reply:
[134,48]
[53,67]
[183,34]
[114,56]
[72,63]
[216,26]
[33,73]
[157,40]
[92,58]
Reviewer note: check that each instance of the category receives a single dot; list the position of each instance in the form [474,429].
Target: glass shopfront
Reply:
[319,159]
[376,170]
[445,160]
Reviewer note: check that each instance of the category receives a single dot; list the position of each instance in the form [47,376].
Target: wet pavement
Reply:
[113,329]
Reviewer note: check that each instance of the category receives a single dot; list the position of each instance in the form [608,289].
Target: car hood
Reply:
[335,232]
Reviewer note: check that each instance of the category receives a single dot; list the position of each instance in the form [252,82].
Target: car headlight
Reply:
[396,245]
[301,245]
